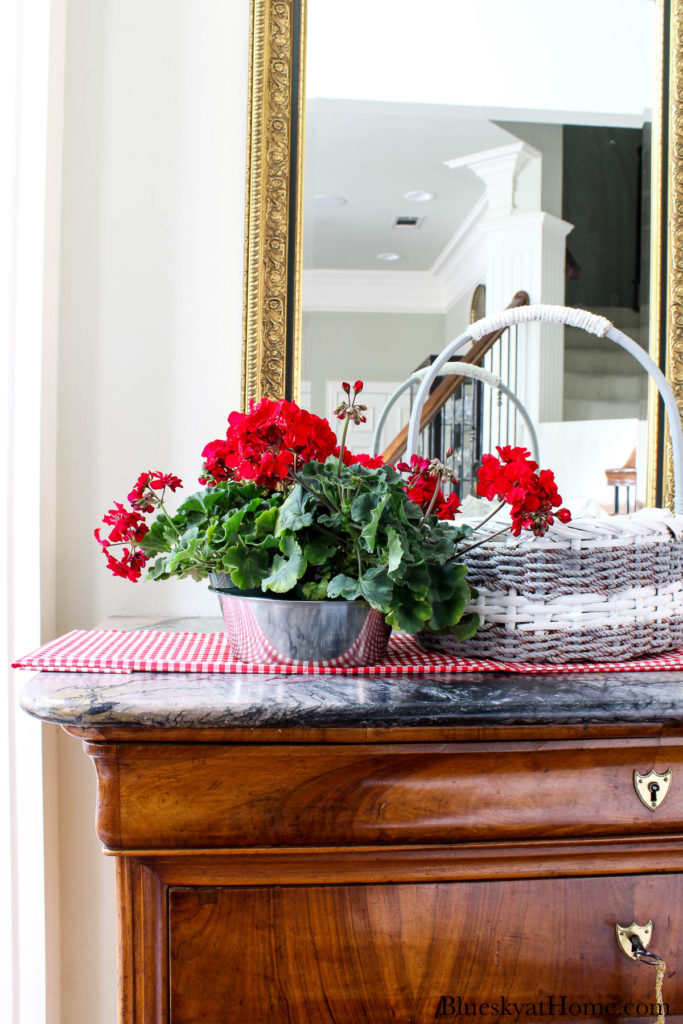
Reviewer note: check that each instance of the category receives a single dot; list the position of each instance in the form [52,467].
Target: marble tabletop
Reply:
[192,700]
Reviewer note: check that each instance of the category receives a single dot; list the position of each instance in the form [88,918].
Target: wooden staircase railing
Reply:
[448,386]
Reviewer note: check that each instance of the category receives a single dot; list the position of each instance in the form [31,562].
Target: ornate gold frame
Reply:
[272,288]
[673,286]
[272,292]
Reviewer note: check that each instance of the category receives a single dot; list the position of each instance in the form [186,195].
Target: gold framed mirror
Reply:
[274,212]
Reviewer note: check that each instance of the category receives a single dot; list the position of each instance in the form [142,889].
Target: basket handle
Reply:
[458,370]
[589,322]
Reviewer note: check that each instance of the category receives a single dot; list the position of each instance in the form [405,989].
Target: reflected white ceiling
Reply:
[372,154]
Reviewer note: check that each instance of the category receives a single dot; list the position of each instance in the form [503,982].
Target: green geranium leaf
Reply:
[444,580]
[415,577]
[266,522]
[394,550]
[441,549]
[288,568]
[232,521]
[364,506]
[313,591]
[293,514]
[405,510]
[185,549]
[343,586]
[377,589]
[159,570]
[369,532]
[335,520]
[467,626]
[192,504]
[157,540]
[410,617]
[318,550]
[247,565]
[449,611]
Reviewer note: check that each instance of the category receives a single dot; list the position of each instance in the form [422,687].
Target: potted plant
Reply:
[287,515]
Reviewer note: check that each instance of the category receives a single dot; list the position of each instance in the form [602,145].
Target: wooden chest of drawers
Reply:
[349,882]
[312,850]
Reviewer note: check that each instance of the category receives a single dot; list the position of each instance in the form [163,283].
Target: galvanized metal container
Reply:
[321,634]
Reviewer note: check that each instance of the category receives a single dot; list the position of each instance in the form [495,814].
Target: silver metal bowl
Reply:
[324,634]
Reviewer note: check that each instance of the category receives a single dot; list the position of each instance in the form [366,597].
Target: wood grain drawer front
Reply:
[184,796]
[387,953]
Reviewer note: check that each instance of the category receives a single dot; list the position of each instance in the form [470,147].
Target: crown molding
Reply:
[371,291]
[461,264]
[498,168]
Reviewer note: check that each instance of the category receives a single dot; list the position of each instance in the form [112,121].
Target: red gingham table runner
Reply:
[115,650]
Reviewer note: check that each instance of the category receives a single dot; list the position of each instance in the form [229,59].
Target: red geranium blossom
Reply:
[513,478]
[126,525]
[272,438]
[423,485]
[349,459]
[141,498]
[448,507]
[129,566]
[215,468]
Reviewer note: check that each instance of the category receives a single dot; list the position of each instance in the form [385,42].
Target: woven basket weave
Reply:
[592,590]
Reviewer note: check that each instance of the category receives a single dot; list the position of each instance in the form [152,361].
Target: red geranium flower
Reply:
[423,488]
[349,459]
[129,566]
[448,507]
[137,496]
[126,526]
[158,481]
[266,443]
[512,478]
[215,468]
[141,497]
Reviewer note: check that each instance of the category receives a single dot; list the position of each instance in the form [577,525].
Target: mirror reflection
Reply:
[458,153]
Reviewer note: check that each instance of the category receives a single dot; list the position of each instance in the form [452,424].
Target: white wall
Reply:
[580,451]
[151,298]
[372,346]
[457,318]
[150,344]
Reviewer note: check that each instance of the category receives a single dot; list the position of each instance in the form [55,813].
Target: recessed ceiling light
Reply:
[388,257]
[329,202]
[418,196]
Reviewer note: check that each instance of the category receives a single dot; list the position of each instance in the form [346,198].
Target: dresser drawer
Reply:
[520,951]
[165,796]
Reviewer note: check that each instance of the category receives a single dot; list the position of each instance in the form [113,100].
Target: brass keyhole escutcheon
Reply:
[653,787]
[641,931]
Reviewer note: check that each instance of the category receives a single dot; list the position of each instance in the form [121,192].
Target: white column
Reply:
[500,169]
[526,251]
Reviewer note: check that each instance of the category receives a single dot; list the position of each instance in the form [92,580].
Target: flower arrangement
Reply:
[286,510]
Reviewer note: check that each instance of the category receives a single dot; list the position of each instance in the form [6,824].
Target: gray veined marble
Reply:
[487,698]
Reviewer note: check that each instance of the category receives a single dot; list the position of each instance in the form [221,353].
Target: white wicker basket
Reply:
[592,590]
